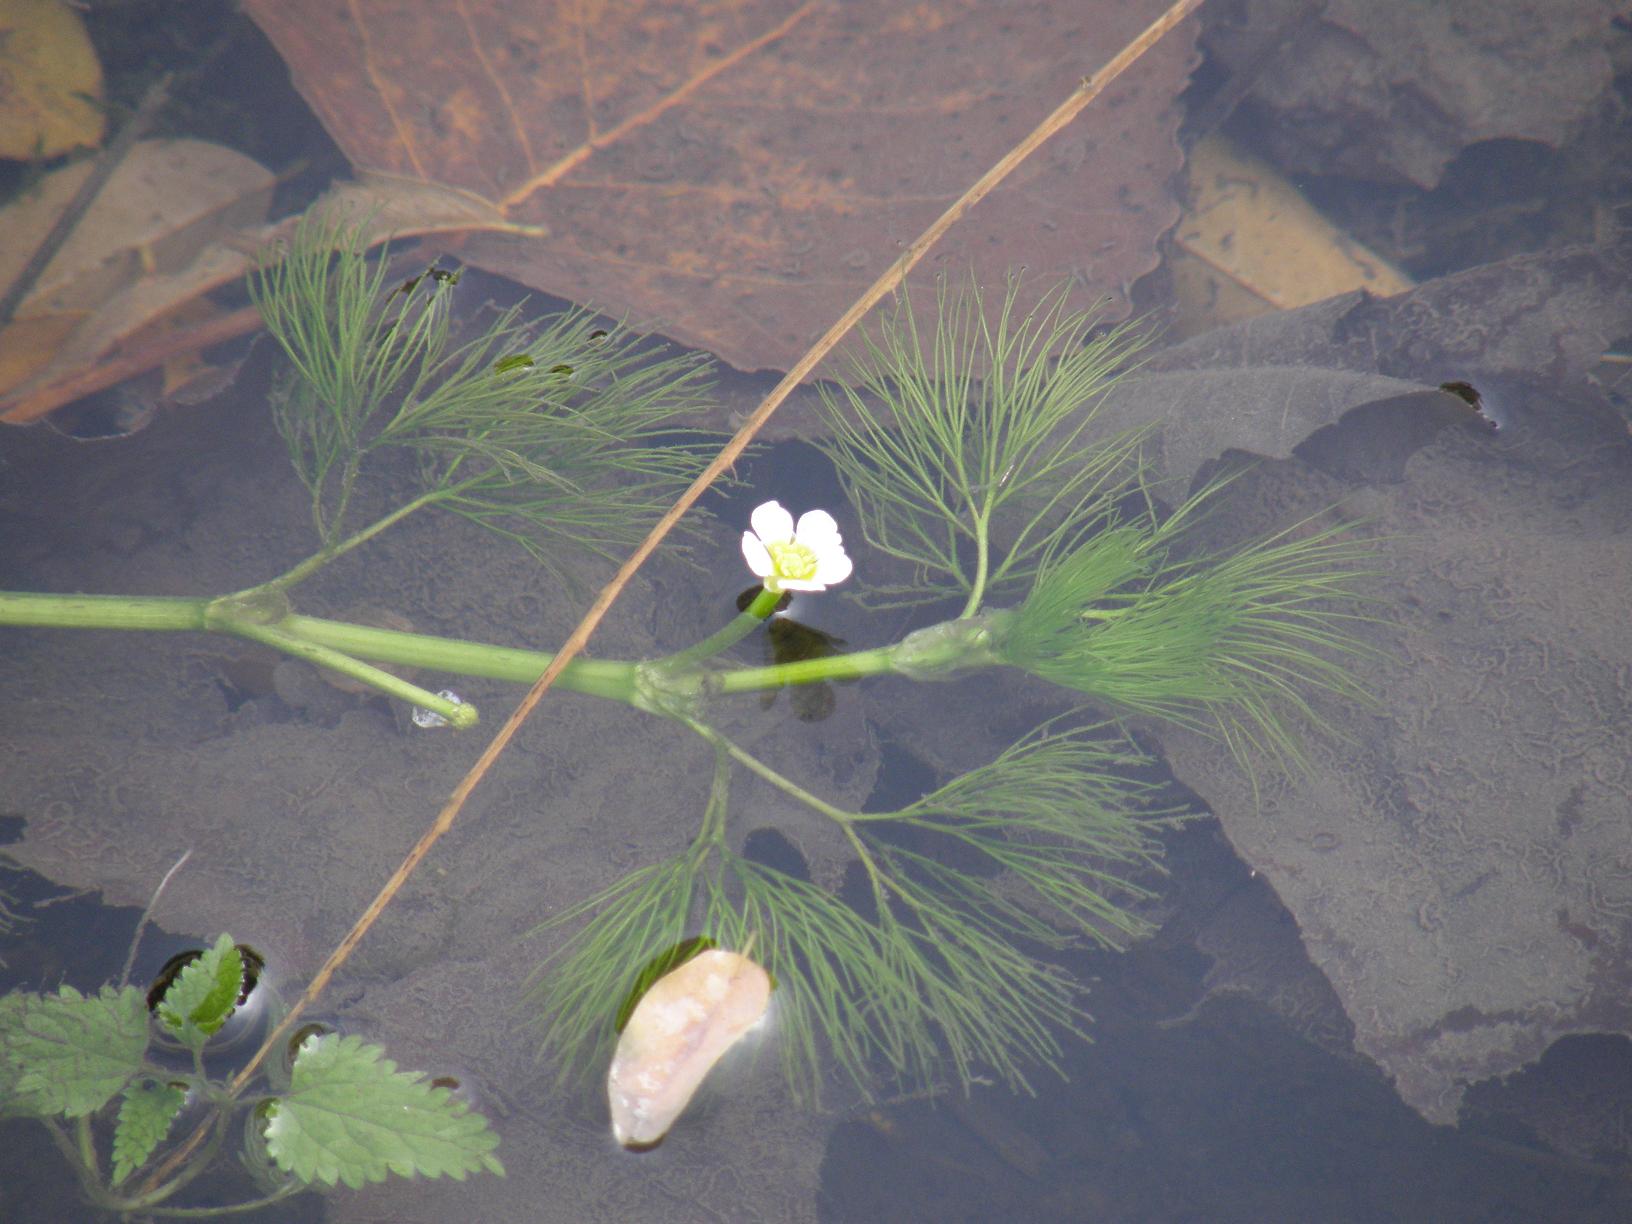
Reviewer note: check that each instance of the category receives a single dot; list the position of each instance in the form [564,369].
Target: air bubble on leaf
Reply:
[430,718]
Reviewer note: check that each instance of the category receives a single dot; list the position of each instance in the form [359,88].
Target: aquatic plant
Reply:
[986,485]
[540,433]
[119,1068]
[936,972]
[975,461]
[938,442]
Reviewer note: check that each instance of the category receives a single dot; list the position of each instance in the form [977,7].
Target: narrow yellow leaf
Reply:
[50,81]
[1250,243]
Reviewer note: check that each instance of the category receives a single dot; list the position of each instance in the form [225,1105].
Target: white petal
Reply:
[771,522]
[753,552]
[833,568]
[800,584]
[817,530]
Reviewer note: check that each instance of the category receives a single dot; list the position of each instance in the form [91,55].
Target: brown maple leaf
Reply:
[735,173]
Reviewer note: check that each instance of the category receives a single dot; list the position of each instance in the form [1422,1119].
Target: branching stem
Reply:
[341,646]
[846,820]
[751,618]
[983,562]
[460,714]
[319,559]
[758,767]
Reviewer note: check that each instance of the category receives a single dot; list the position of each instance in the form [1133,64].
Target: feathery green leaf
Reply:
[969,458]
[1229,645]
[934,979]
[562,432]
[578,991]
[1060,821]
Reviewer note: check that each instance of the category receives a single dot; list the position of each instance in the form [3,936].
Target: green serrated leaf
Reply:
[350,1116]
[145,1116]
[12,1103]
[70,1054]
[204,993]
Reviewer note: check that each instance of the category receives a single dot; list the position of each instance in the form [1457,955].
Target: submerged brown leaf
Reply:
[50,81]
[1395,89]
[152,240]
[735,173]
[128,290]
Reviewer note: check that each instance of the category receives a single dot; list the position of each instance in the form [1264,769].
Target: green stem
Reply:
[755,766]
[87,1147]
[853,666]
[846,820]
[983,562]
[597,677]
[201,1213]
[719,796]
[139,612]
[460,714]
[317,561]
[340,645]
[146,1201]
[881,892]
[611,678]
[751,618]
[80,1153]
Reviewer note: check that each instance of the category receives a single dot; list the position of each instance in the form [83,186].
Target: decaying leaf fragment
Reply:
[179,218]
[154,238]
[1250,243]
[50,81]
[680,1028]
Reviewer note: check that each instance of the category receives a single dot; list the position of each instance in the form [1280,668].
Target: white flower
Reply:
[809,557]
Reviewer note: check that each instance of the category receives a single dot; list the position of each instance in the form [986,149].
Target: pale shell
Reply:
[682,1025]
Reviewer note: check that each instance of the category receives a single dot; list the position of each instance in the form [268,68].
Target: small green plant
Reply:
[984,485]
[95,1071]
[974,461]
[937,970]
[539,432]
[967,456]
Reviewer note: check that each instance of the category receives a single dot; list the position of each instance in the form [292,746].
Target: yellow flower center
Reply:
[792,559]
